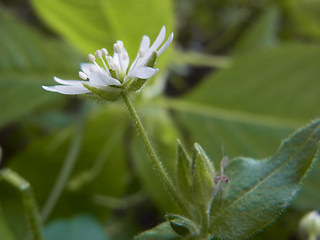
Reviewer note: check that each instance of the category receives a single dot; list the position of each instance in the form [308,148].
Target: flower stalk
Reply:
[158,166]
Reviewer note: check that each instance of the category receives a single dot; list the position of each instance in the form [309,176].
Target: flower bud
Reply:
[203,173]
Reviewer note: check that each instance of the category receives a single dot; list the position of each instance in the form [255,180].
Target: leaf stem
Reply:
[158,166]
[65,171]
[29,201]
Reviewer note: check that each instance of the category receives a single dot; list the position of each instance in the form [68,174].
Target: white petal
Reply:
[143,72]
[68,82]
[87,68]
[165,45]
[145,43]
[102,78]
[159,39]
[69,90]
[135,63]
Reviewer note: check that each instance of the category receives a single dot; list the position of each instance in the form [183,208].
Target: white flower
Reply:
[115,74]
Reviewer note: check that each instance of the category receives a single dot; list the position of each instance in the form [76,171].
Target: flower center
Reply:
[115,66]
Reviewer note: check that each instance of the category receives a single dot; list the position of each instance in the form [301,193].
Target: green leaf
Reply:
[90,25]
[183,171]
[261,189]
[163,231]
[262,33]
[81,227]
[28,60]
[203,176]
[249,107]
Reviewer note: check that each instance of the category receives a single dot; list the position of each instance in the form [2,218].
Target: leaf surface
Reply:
[261,34]
[91,25]
[29,60]
[260,190]
[247,108]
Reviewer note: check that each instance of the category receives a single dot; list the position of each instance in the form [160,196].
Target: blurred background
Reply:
[240,77]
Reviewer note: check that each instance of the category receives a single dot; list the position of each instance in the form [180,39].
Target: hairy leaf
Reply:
[203,175]
[183,171]
[261,189]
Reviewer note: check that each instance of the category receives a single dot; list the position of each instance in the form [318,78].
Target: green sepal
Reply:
[203,177]
[134,84]
[113,73]
[183,171]
[152,60]
[183,226]
[110,93]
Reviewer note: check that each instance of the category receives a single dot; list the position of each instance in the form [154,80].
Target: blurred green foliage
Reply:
[80,227]
[269,89]
[92,25]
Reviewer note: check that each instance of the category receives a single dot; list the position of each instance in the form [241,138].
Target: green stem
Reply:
[205,218]
[28,200]
[158,166]
[65,171]
[119,203]
[108,146]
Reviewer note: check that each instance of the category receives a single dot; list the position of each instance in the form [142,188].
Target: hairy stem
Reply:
[158,166]
[28,200]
